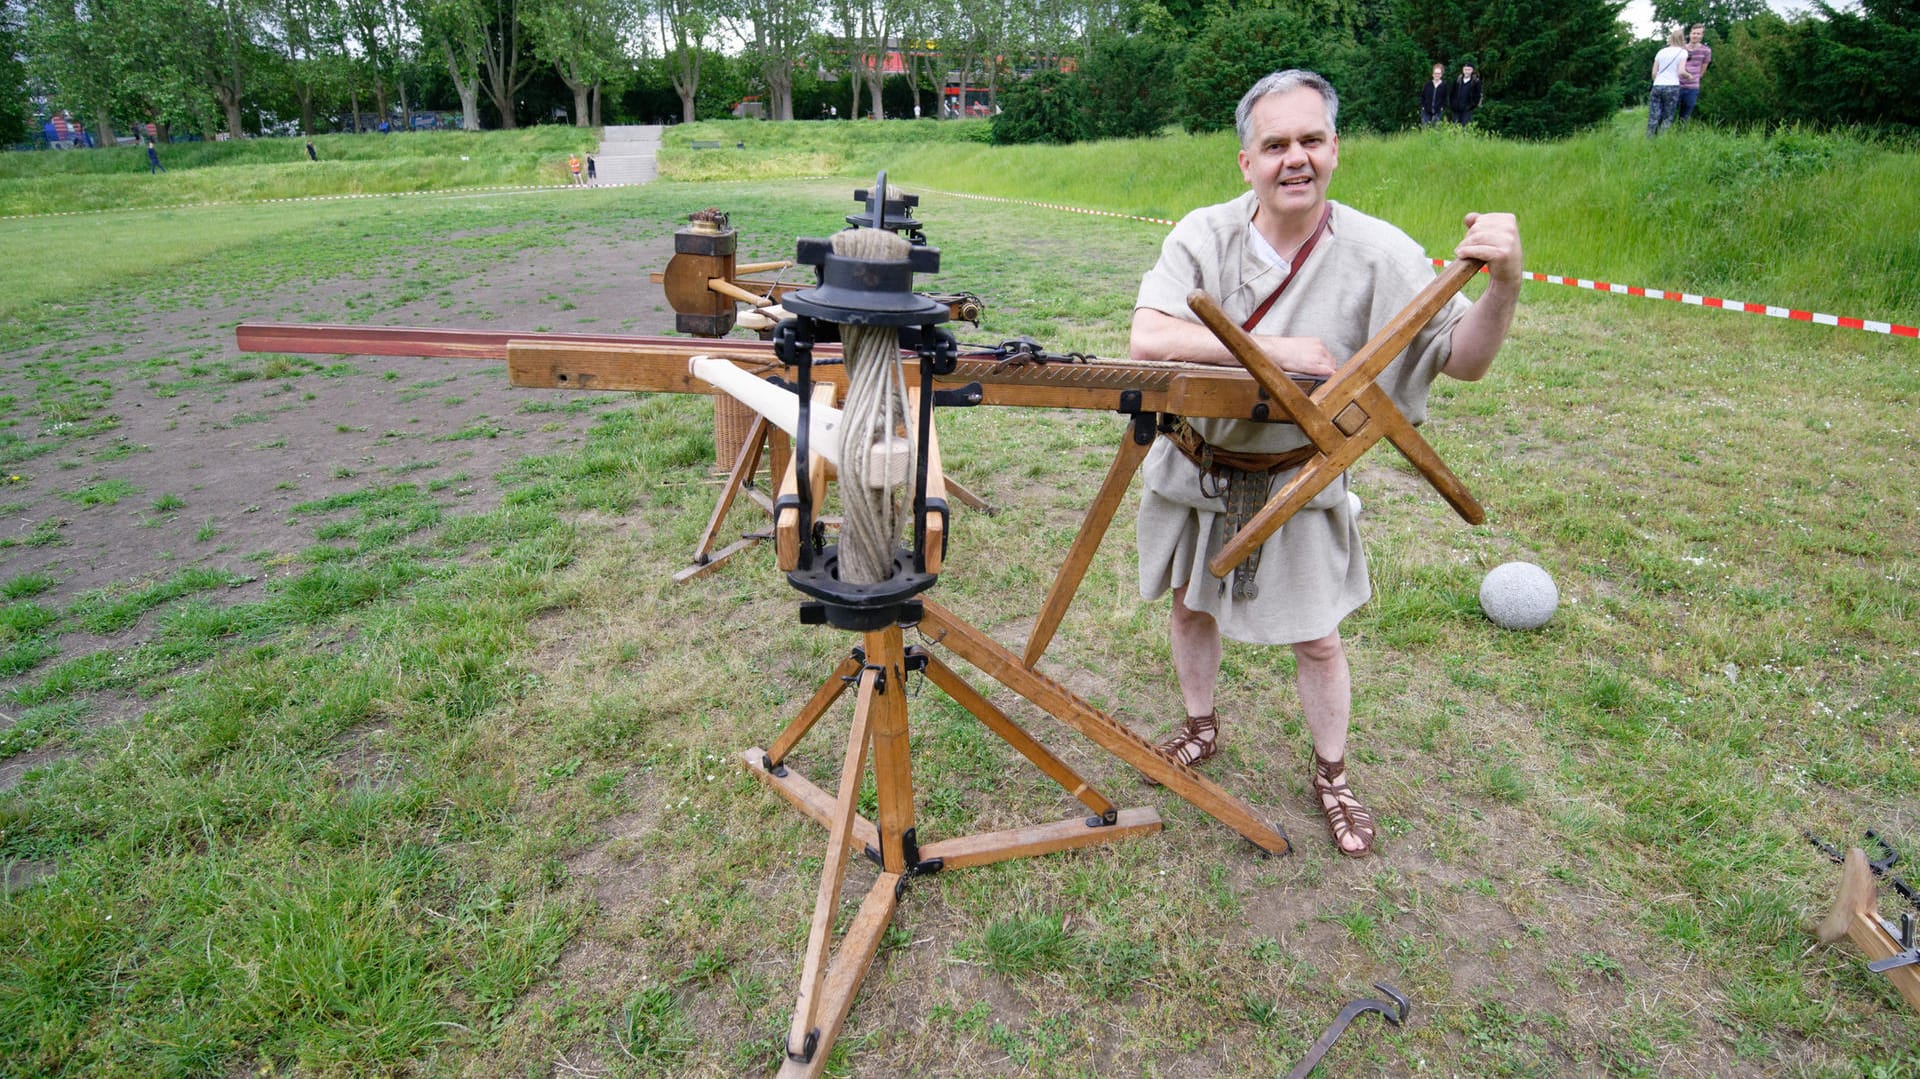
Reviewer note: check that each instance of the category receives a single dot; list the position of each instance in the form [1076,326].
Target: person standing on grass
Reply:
[311,156]
[1465,96]
[1665,102]
[1309,314]
[573,166]
[1698,57]
[153,159]
[591,174]
[1435,96]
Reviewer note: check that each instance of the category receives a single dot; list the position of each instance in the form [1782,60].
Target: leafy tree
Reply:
[75,51]
[686,27]
[1237,49]
[1130,80]
[15,120]
[1549,66]
[1858,67]
[457,30]
[1718,16]
[776,33]
[582,40]
[1049,107]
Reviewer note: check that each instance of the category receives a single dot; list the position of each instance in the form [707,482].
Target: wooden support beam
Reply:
[954,634]
[1086,542]
[989,847]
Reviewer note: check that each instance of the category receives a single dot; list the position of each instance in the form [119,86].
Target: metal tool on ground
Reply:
[1889,857]
[1396,1013]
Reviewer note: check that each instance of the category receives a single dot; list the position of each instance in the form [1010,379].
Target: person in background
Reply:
[573,166]
[1665,102]
[1434,97]
[311,156]
[153,159]
[592,174]
[1465,96]
[1698,57]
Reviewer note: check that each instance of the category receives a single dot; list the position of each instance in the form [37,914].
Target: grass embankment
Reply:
[252,170]
[755,150]
[1794,219]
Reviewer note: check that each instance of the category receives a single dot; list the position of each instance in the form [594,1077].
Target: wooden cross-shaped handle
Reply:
[1345,417]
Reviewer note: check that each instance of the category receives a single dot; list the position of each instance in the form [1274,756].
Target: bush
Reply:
[1049,107]
[1130,84]
[1237,49]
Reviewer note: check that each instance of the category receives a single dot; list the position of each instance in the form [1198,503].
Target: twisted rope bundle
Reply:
[872,450]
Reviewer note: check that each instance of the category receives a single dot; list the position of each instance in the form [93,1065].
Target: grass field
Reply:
[453,794]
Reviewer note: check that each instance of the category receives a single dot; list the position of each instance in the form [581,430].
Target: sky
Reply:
[1639,13]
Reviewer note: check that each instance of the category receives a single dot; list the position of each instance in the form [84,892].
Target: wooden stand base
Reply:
[879,669]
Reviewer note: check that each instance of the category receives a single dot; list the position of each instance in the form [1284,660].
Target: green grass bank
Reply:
[1819,221]
[252,170]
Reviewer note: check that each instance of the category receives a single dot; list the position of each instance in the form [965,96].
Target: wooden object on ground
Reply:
[1856,914]
[1345,417]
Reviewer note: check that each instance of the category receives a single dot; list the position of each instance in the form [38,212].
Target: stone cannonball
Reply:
[1519,595]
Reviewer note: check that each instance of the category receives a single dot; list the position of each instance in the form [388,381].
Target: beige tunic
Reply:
[1313,571]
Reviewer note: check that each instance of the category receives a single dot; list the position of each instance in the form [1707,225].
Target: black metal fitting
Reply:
[1104,820]
[1261,412]
[807,1047]
[768,766]
[965,396]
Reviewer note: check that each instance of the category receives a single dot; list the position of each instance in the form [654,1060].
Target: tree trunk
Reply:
[230,104]
[468,89]
[596,105]
[779,91]
[103,135]
[582,114]
[406,107]
[356,108]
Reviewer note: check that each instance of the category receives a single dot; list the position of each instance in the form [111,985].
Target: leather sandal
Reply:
[1346,817]
[1197,741]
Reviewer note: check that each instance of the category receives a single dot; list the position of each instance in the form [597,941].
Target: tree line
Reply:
[1052,70]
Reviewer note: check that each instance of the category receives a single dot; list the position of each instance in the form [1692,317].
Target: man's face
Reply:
[1466,70]
[1291,154]
[1438,72]
[1698,32]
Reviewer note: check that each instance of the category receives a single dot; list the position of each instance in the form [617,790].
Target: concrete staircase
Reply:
[626,154]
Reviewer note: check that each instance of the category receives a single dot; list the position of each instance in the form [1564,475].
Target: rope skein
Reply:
[872,501]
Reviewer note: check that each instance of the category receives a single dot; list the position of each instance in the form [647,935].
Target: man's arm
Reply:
[1160,336]
[1495,240]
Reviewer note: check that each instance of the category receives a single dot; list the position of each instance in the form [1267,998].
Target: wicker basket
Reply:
[732,421]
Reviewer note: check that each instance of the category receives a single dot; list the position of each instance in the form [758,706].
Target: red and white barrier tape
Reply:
[1794,314]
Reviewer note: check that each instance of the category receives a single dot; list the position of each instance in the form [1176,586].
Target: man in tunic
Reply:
[1309,314]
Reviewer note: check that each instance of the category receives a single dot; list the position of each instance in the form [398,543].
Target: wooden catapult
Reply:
[1343,417]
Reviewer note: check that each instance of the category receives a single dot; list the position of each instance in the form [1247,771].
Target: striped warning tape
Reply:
[1794,314]
[1056,206]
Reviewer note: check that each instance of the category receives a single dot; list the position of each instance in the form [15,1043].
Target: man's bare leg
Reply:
[1195,638]
[1326,698]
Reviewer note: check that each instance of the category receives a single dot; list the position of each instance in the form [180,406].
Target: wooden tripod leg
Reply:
[1856,914]
[739,477]
[1092,530]
[804,1038]
[822,699]
[883,690]
[996,721]
[1056,700]
[968,499]
[857,949]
